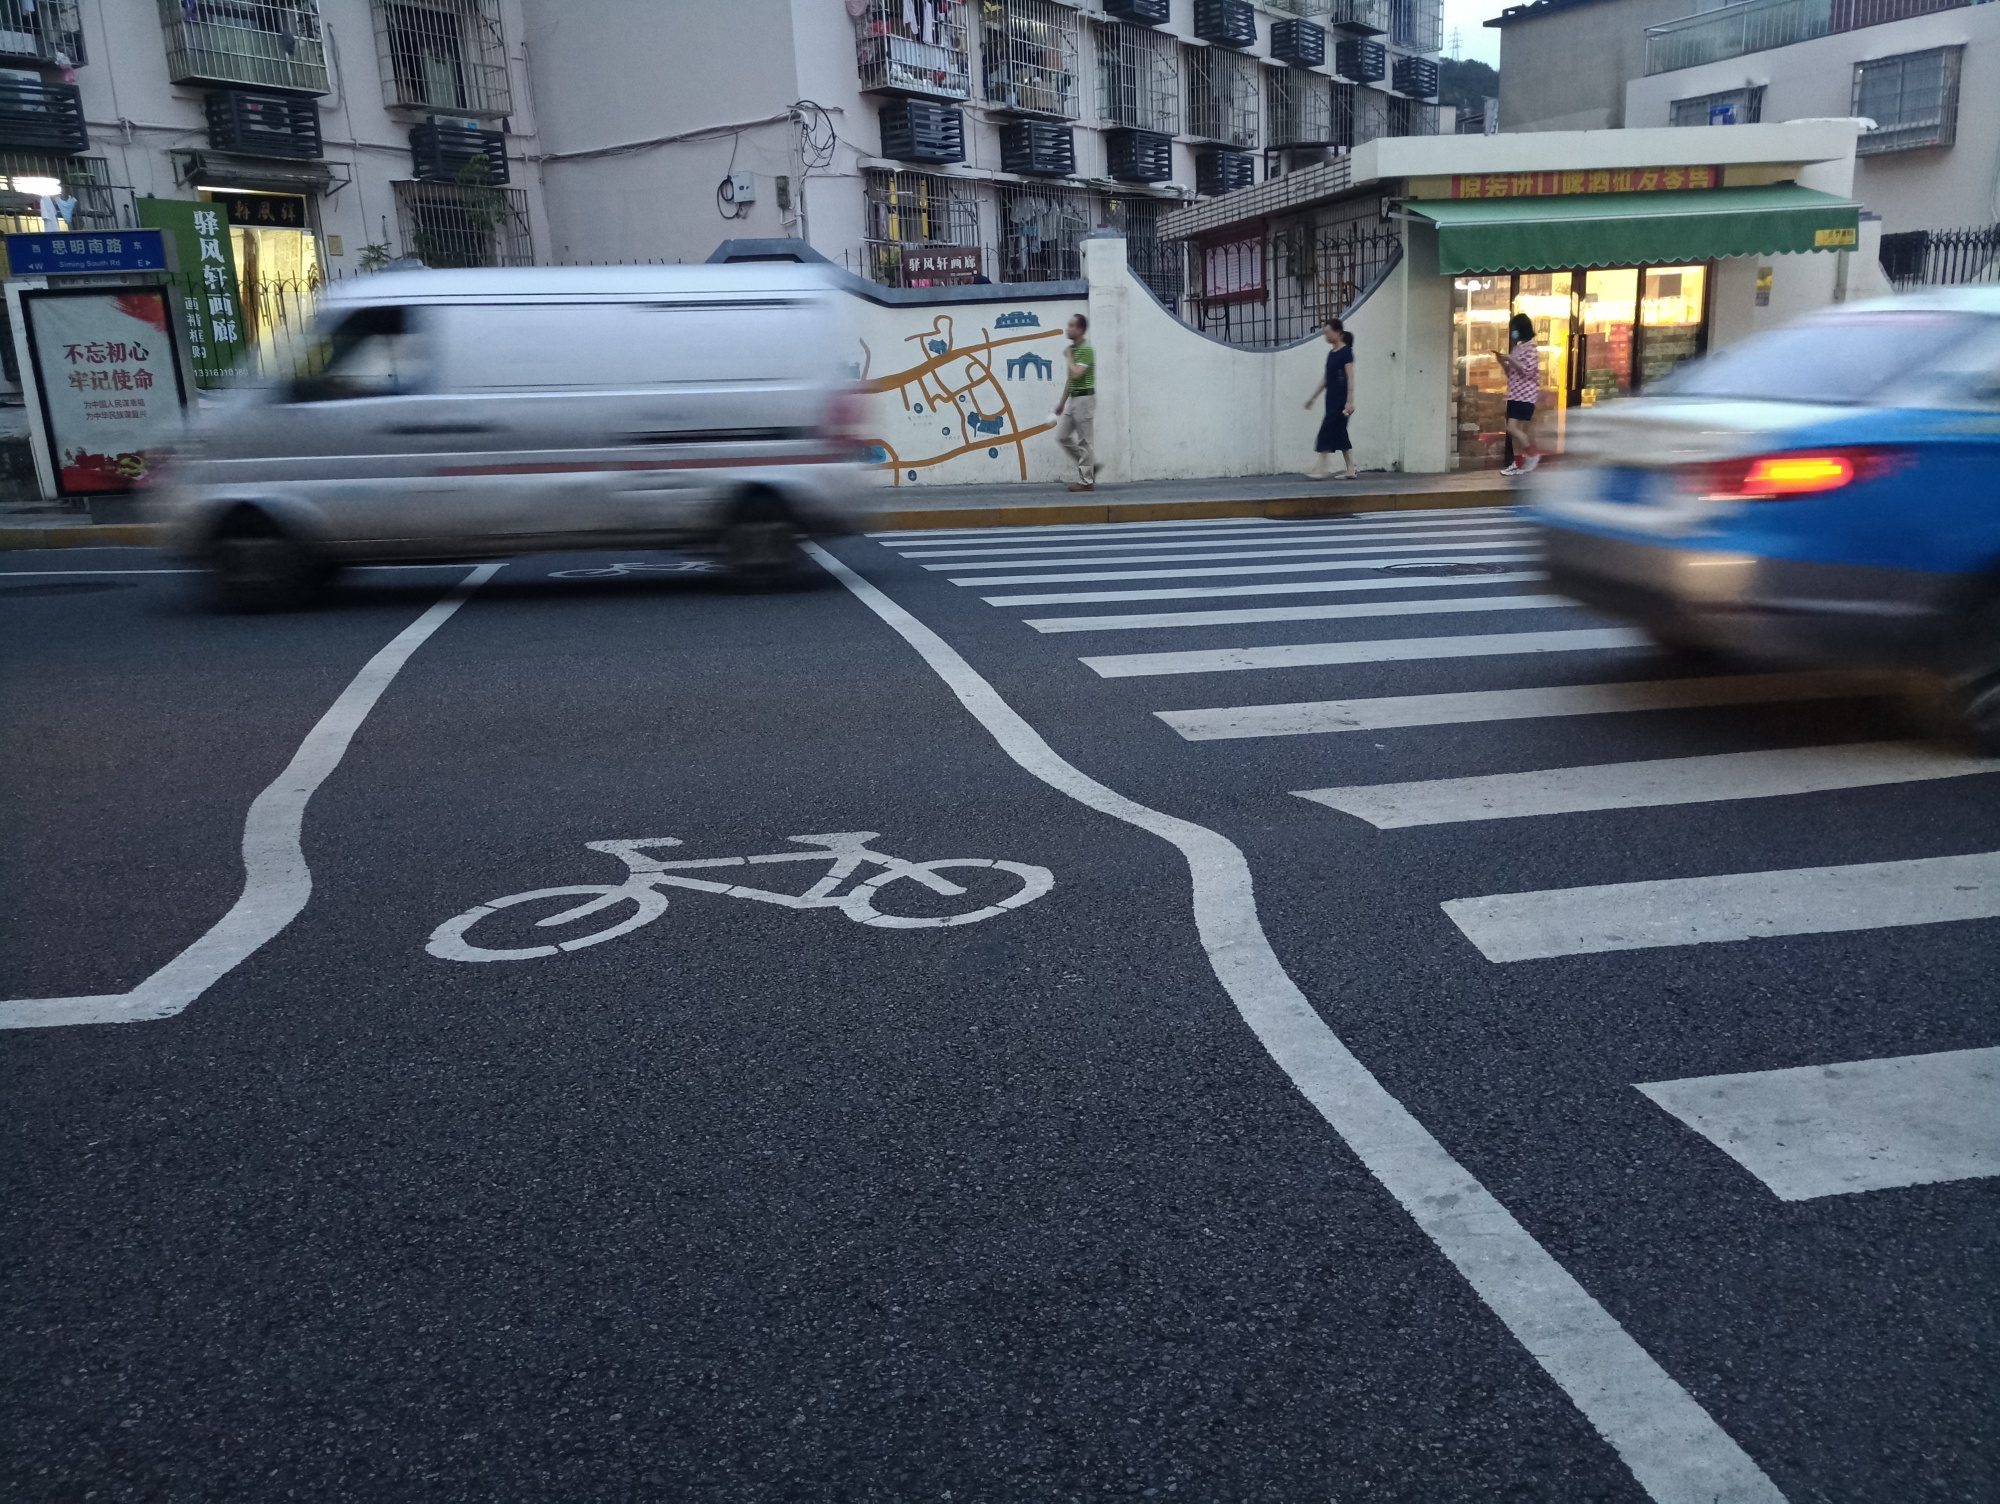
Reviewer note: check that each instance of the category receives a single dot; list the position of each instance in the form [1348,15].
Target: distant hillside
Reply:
[1467,84]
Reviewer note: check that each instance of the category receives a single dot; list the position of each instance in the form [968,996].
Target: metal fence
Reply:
[1303,274]
[1942,258]
[1222,96]
[1041,232]
[1748,26]
[1030,52]
[49,32]
[455,225]
[908,212]
[447,55]
[275,43]
[1138,78]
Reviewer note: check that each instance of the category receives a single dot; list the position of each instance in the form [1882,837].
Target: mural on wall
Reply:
[957,405]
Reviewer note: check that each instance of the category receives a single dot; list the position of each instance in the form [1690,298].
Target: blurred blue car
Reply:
[1826,493]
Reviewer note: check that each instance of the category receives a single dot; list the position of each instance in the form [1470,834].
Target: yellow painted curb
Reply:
[1312,504]
[110,534]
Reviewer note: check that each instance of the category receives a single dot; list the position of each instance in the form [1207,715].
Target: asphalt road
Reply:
[759,1201]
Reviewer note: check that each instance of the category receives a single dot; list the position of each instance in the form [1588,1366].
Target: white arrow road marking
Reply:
[276,880]
[1867,1125]
[1673,1447]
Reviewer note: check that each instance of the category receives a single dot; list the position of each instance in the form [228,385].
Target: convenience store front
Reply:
[1618,281]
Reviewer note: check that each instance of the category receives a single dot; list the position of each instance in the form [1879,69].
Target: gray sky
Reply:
[1474,40]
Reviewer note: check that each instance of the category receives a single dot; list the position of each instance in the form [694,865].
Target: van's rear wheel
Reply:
[254,565]
[760,543]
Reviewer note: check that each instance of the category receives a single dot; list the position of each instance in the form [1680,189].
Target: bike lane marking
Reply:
[276,880]
[1672,1446]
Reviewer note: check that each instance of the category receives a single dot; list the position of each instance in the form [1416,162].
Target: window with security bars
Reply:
[1041,232]
[1416,25]
[1411,117]
[1912,98]
[1305,8]
[908,211]
[1301,108]
[1361,114]
[274,43]
[901,47]
[1222,96]
[455,224]
[1138,78]
[444,55]
[1029,53]
[49,32]
[1731,107]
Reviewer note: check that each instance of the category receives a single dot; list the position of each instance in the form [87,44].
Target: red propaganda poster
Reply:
[111,393]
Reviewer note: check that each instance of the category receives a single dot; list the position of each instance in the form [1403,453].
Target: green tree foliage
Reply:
[1467,83]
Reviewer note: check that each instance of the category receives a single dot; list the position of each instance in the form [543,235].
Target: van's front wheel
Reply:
[760,543]
[254,565]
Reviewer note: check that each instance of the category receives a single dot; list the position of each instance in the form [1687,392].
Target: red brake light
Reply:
[1775,477]
[846,416]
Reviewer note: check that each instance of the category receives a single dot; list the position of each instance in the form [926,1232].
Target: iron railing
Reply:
[1942,258]
[1160,264]
[272,43]
[444,55]
[905,49]
[1311,271]
[1222,96]
[1138,78]
[48,32]
[1755,25]
[460,224]
[1041,232]
[1301,108]
[1029,51]
[908,215]
[1912,98]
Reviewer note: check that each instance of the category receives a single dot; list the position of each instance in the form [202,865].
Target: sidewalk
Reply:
[52,525]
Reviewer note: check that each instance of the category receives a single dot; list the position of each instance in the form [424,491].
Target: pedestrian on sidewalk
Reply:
[1338,384]
[1076,413]
[1523,364]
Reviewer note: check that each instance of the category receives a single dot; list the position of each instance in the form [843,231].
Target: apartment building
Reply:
[926,142]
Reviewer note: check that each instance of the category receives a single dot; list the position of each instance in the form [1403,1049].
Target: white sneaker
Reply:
[1529,462]
[1513,469]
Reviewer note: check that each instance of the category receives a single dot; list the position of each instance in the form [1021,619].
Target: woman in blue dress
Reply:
[1338,384]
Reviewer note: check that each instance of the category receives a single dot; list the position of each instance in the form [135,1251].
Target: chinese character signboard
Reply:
[264,211]
[205,282]
[939,265]
[1590,180]
[110,388]
[116,251]
[1233,273]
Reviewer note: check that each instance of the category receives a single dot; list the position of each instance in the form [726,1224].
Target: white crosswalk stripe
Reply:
[1390,650]
[1316,535]
[1443,517]
[1517,558]
[1650,784]
[1443,579]
[1162,619]
[1734,906]
[1398,550]
[1311,717]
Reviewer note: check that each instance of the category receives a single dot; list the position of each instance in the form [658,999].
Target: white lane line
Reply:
[1650,784]
[1444,517]
[1313,717]
[36,573]
[1400,551]
[1732,906]
[1516,558]
[1864,1125]
[1300,613]
[1673,1447]
[1319,535]
[1387,650]
[276,880]
[1285,587]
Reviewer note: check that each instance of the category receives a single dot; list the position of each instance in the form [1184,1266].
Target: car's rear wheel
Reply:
[760,543]
[1979,692]
[255,565]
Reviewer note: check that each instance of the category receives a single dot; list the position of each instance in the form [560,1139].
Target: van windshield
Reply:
[1854,357]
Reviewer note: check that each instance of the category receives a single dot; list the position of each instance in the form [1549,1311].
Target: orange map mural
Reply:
[957,388]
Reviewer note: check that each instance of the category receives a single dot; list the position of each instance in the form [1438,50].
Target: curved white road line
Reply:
[1676,1451]
[276,880]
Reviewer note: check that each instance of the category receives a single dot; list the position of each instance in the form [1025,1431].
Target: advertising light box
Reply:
[110,385]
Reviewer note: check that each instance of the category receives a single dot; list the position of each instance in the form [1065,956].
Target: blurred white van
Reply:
[477,414]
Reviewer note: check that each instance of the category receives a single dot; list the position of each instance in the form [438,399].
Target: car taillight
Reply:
[846,416]
[1777,477]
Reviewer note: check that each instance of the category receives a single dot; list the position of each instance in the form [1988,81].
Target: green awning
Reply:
[1636,229]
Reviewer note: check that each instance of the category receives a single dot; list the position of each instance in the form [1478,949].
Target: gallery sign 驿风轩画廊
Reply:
[205,282]
[108,384]
[940,265]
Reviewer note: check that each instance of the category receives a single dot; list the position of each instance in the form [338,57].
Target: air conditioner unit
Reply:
[263,125]
[1416,77]
[1227,23]
[1146,12]
[1298,42]
[1037,149]
[922,130]
[1139,156]
[439,153]
[1364,62]
[1219,172]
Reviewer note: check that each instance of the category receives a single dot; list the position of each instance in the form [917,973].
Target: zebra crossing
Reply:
[1387,573]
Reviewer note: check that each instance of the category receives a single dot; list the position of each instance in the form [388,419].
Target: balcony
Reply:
[50,32]
[1756,25]
[447,56]
[895,53]
[271,44]
[36,116]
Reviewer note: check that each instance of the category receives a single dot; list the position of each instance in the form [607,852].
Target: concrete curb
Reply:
[1311,504]
[1307,504]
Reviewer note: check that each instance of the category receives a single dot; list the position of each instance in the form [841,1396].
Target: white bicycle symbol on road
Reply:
[620,571]
[845,852]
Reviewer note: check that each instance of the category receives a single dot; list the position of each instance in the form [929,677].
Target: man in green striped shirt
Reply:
[1076,414]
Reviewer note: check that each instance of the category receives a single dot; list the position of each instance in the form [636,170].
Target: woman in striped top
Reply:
[1523,363]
